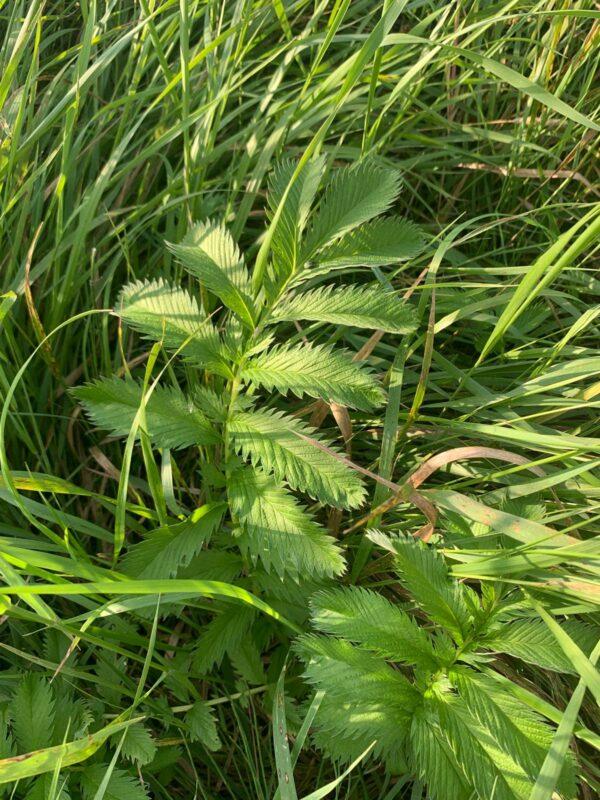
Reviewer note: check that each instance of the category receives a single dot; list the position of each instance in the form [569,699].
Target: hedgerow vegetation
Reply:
[299,375]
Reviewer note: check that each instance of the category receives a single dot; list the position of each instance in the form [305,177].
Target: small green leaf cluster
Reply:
[418,680]
[40,715]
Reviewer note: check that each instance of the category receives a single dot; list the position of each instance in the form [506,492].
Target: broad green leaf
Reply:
[314,370]
[490,771]
[223,634]
[374,244]
[273,440]
[216,241]
[119,786]
[217,280]
[353,70]
[423,573]
[168,314]
[435,761]
[369,619]
[277,530]
[531,640]
[354,195]
[32,711]
[203,726]
[138,744]
[172,420]
[164,551]
[291,223]
[365,701]
[517,729]
[358,306]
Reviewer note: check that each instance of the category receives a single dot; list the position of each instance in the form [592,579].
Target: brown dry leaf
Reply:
[406,491]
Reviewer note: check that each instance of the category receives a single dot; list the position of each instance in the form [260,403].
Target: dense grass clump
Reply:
[299,376]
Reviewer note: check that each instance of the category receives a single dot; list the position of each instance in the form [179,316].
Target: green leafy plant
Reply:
[121,123]
[417,679]
[259,459]
[44,723]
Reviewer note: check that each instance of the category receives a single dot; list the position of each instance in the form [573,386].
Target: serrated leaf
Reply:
[532,641]
[368,619]
[278,530]
[286,237]
[358,306]
[317,371]
[217,280]
[172,420]
[202,723]
[423,573]
[355,195]
[435,762]
[374,244]
[270,439]
[138,744]
[121,785]
[168,314]
[7,744]
[164,551]
[365,701]
[32,713]
[222,634]
[499,714]
[490,772]
[216,241]
[210,403]
[247,662]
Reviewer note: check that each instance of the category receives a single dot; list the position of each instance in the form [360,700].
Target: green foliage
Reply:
[424,573]
[223,634]
[276,529]
[165,551]
[41,718]
[531,640]
[368,619]
[349,305]
[202,724]
[297,206]
[431,707]
[138,745]
[32,713]
[202,263]
[284,446]
[169,315]
[120,785]
[270,526]
[124,124]
[374,244]
[354,196]
[316,371]
[42,786]
[171,419]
